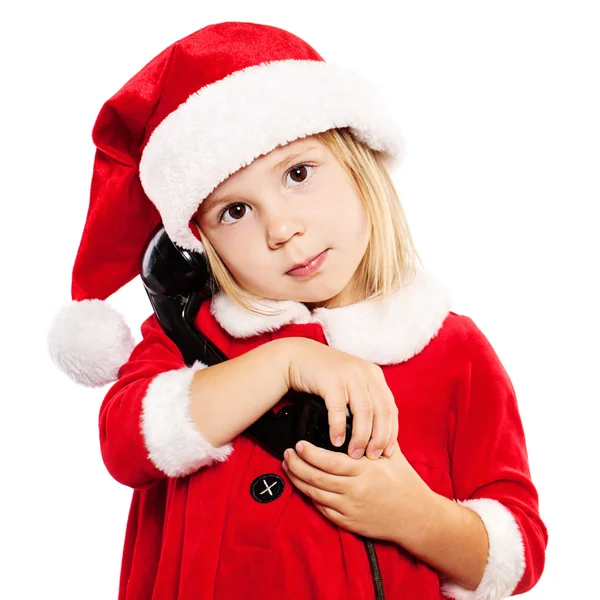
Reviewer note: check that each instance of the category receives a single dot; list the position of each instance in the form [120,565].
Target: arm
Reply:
[258,376]
[490,541]
[446,535]
[491,476]
[152,420]
[388,500]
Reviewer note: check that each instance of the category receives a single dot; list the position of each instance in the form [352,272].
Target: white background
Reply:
[499,103]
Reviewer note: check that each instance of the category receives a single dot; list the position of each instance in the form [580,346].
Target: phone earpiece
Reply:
[177,281]
[169,270]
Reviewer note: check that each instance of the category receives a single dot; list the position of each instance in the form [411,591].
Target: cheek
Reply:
[240,255]
[232,255]
[242,267]
[342,211]
[349,220]
[360,221]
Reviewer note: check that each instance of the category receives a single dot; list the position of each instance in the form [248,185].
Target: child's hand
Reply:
[343,379]
[380,499]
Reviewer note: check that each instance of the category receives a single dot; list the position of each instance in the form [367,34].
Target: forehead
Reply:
[271,160]
[276,157]
[294,146]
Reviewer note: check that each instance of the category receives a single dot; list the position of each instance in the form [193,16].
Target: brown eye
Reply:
[236,211]
[299,173]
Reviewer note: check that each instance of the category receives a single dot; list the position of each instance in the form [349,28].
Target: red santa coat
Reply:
[198,528]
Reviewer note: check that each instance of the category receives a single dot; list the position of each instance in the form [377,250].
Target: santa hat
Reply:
[205,107]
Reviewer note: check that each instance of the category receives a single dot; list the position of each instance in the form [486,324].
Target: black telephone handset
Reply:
[177,282]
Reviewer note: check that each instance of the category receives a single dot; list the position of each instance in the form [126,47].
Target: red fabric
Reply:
[216,51]
[204,537]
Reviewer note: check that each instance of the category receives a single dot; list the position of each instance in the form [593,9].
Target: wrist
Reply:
[412,528]
[449,537]
[284,352]
[281,352]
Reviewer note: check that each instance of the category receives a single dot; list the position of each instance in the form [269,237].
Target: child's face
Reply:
[278,216]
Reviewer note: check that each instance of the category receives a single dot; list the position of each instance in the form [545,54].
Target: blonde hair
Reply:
[390,260]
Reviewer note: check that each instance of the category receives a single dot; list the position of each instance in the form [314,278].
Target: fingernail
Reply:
[339,440]
[284,466]
[357,453]
[376,454]
[299,447]
[390,450]
[286,454]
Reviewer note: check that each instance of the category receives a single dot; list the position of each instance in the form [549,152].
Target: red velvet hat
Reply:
[205,107]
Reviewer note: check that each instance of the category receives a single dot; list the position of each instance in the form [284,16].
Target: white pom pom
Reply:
[90,341]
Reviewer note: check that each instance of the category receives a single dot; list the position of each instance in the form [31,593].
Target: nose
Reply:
[282,225]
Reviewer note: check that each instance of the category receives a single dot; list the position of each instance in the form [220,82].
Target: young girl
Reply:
[252,149]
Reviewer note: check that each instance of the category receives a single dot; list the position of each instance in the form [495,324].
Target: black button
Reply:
[267,488]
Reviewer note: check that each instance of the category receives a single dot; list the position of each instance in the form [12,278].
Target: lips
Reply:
[309,268]
[300,265]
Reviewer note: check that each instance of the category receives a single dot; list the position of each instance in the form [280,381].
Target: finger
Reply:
[385,421]
[331,513]
[309,474]
[394,436]
[321,496]
[336,401]
[362,415]
[334,463]
[383,417]
[395,450]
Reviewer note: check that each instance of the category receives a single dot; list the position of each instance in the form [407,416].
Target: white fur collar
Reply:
[384,333]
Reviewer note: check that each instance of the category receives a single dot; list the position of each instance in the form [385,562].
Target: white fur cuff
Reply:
[174,444]
[506,559]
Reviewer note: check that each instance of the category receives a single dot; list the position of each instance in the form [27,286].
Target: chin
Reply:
[313,292]
[319,297]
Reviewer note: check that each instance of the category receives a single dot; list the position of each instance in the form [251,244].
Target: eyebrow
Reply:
[284,163]
[212,204]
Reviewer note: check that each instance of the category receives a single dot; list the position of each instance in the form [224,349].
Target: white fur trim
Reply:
[242,323]
[174,444]
[391,332]
[227,124]
[384,333]
[506,559]
[89,341]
